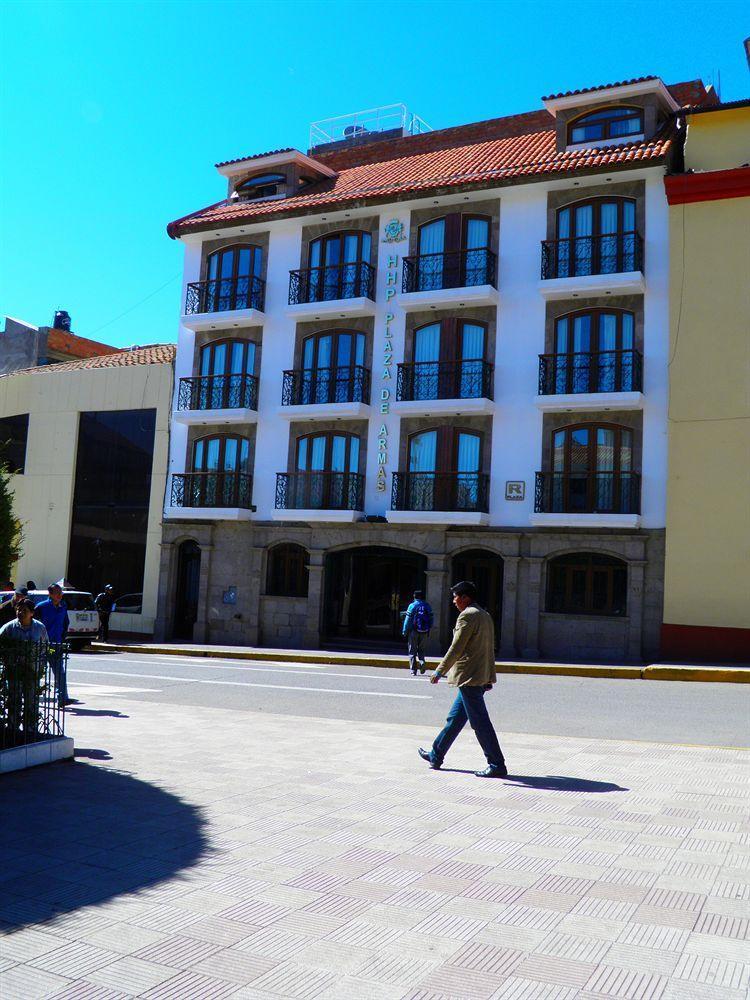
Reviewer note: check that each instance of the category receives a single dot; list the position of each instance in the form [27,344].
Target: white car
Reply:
[84,620]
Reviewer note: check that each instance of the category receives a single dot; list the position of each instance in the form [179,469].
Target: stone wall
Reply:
[283,621]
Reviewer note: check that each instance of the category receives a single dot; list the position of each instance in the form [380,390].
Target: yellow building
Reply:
[88,443]
[707,579]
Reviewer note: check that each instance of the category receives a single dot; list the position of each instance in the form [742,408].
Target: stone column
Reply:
[251,623]
[510,600]
[311,636]
[165,592]
[200,629]
[636,574]
[533,606]
[437,587]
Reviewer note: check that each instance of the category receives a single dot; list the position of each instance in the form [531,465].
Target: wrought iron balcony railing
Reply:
[441,491]
[444,380]
[452,269]
[587,493]
[334,281]
[320,491]
[218,392]
[224,294]
[609,253]
[212,489]
[595,371]
[326,385]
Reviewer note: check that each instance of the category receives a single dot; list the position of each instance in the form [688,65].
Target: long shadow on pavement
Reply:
[77,834]
[559,783]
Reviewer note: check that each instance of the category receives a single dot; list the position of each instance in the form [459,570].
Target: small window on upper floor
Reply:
[262,186]
[14,432]
[610,123]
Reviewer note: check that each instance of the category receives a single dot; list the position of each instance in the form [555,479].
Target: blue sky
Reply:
[113,114]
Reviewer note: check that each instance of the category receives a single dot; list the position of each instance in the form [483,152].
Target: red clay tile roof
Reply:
[255,156]
[154,354]
[603,86]
[693,94]
[64,342]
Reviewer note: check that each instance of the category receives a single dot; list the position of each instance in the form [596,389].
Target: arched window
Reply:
[593,351]
[327,474]
[233,279]
[227,369]
[287,573]
[596,236]
[336,266]
[592,470]
[333,367]
[221,472]
[584,583]
[261,186]
[445,470]
[448,362]
[454,252]
[609,123]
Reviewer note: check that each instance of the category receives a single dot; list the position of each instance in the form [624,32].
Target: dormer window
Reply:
[610,123]
[262,186]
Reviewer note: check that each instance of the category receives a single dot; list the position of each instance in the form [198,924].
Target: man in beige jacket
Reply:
[470,667]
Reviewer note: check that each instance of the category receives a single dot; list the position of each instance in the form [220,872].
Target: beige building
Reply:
[707,574]
[88,443]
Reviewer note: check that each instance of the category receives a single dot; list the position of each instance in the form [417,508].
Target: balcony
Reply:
[444,387]
[592,265]
[440,498]
[228,399]
[602,499]
[223,303]
[211,496]
[319,496]
[326,392]
[339,290]
[455,278]
[591,380]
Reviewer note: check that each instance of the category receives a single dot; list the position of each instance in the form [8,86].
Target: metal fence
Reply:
[29,692]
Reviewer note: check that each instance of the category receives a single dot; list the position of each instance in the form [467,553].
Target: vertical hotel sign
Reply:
[394,233]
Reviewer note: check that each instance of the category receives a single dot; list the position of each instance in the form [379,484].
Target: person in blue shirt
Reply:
[417,625]
[53,614]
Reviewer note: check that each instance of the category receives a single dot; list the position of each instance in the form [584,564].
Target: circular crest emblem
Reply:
[393,232]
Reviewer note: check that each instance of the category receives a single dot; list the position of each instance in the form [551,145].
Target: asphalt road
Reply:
[665,711]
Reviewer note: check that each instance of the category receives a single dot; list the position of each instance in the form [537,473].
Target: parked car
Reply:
[84,621]
[129,604]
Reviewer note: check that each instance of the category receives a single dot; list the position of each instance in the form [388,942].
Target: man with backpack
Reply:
[417,625]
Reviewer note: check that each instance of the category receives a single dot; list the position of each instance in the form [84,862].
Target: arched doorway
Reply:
[367,589]
[186,591]
[485,570]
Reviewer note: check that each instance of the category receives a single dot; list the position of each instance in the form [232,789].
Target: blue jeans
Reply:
[469,707]
[56,660]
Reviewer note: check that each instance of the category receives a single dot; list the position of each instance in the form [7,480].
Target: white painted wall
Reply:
[517,423]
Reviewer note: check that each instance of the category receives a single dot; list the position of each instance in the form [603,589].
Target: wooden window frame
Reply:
[229,342]
[254,187]
[339,234]
[596,203]
[217,254]
[329,436]
[446,450]
[606,124]
[559,567]
[287,564]
[450,337]
[336,334]
[222,439]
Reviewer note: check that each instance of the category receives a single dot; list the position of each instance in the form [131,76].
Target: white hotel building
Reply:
[408,357]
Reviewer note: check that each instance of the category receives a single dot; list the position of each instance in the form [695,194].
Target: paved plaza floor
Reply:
[207,853]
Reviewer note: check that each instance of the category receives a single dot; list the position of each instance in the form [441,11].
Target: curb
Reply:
[715,675]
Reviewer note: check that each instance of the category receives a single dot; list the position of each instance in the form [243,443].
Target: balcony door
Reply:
[589,350]
[230,273]
[327,465]
[592,466]
[223,367]
[329,363]
[449,360]
[336,270]
[596,237]
[453,252]
[444,467]
[222,460]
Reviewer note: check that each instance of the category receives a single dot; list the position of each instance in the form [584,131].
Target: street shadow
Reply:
[76,835]
[92,753]
[456,770]
[98,712]
[558,783]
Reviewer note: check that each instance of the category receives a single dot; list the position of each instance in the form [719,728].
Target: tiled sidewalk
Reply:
[223,854]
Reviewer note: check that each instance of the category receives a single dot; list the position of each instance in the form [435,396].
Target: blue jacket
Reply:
[54,619]
[411,612]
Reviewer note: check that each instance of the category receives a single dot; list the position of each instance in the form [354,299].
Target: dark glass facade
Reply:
[111,500]
[14,432]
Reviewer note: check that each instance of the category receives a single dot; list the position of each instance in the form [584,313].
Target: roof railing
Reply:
[358,126]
